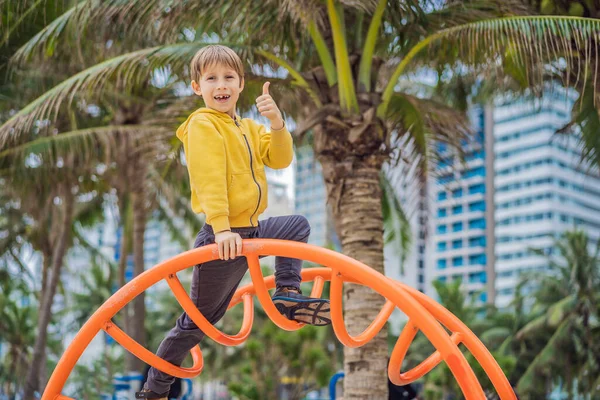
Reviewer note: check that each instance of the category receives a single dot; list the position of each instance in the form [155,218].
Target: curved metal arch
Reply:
[424,314]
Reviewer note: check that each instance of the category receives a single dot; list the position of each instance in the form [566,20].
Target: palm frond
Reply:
[587,118]
[449,14]
[366,61]
[46,36]
[426,121]
[543,45]
[324,54]
[92,143]
[549,353]
[157,22]
[347,93]
[128,70]
[298,78]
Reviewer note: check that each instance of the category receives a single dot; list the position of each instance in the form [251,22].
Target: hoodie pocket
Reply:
[243,194]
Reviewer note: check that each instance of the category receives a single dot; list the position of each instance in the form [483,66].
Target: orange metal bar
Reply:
[134,347]
[469,339]
[337,317]
[404,341]
[202,323]
[423,314]
[263,295]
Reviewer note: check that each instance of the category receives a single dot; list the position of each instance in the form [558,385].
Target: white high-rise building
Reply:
[522,186]
[542,187]
[458,229]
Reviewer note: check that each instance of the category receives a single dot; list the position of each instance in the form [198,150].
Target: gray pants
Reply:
[214,284]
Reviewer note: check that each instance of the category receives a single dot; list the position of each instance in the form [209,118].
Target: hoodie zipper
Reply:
[251,169]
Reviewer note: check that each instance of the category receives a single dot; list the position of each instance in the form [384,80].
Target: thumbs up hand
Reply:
[267,108]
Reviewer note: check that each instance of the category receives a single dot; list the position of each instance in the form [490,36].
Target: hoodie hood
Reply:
[183,128]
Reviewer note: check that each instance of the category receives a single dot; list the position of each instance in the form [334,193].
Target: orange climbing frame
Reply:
[424,314]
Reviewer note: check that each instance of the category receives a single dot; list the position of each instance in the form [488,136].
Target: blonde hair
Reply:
[215,54]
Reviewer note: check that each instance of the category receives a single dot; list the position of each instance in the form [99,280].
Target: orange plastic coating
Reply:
[208,328]
[423,313]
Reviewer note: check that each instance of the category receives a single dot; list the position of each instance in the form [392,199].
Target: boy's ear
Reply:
[196,88]
[242,82]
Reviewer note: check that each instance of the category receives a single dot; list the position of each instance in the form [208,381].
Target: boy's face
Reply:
[220,87]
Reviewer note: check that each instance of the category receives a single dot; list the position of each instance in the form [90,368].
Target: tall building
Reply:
[542,187]
[521,187]
[458,223]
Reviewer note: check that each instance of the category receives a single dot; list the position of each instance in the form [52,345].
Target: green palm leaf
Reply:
[540,45]
[366,61]
[588,119]
[346,89]
[427,121]
[550,353]
[131,68]
[89,143]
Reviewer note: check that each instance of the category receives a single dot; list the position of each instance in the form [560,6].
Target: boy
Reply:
[226,157]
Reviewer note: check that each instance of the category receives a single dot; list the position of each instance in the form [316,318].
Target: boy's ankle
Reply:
[293,289]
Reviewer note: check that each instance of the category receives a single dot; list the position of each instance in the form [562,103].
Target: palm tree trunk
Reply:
[32,382]
[46,260]
[123,253]
[139,227]
[359,222]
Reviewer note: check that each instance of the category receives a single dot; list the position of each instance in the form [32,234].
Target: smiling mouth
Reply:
[222,98]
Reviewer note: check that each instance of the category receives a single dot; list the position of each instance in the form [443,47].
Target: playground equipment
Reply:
[424,314]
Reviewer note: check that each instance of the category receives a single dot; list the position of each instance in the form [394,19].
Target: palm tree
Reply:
[129,172]
[349,87]
[17,326]
[569,303]
[586,121]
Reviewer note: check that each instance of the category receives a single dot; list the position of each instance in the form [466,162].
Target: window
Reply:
[441,246]
[457,227]
[441,229]
[479,171]
[442,279]
[445,162]
[421,264]
[477,206]
[457,193]
[475,155]
[457,262]
[477,241]
[478,277]
[477,259]
[478,223]
[442,212]
[478,188]
[457,244]
[457,209]
[444,179]
[442,195]
[483,297]
[441,264]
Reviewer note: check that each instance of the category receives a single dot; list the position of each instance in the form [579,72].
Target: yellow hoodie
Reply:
[225,160]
